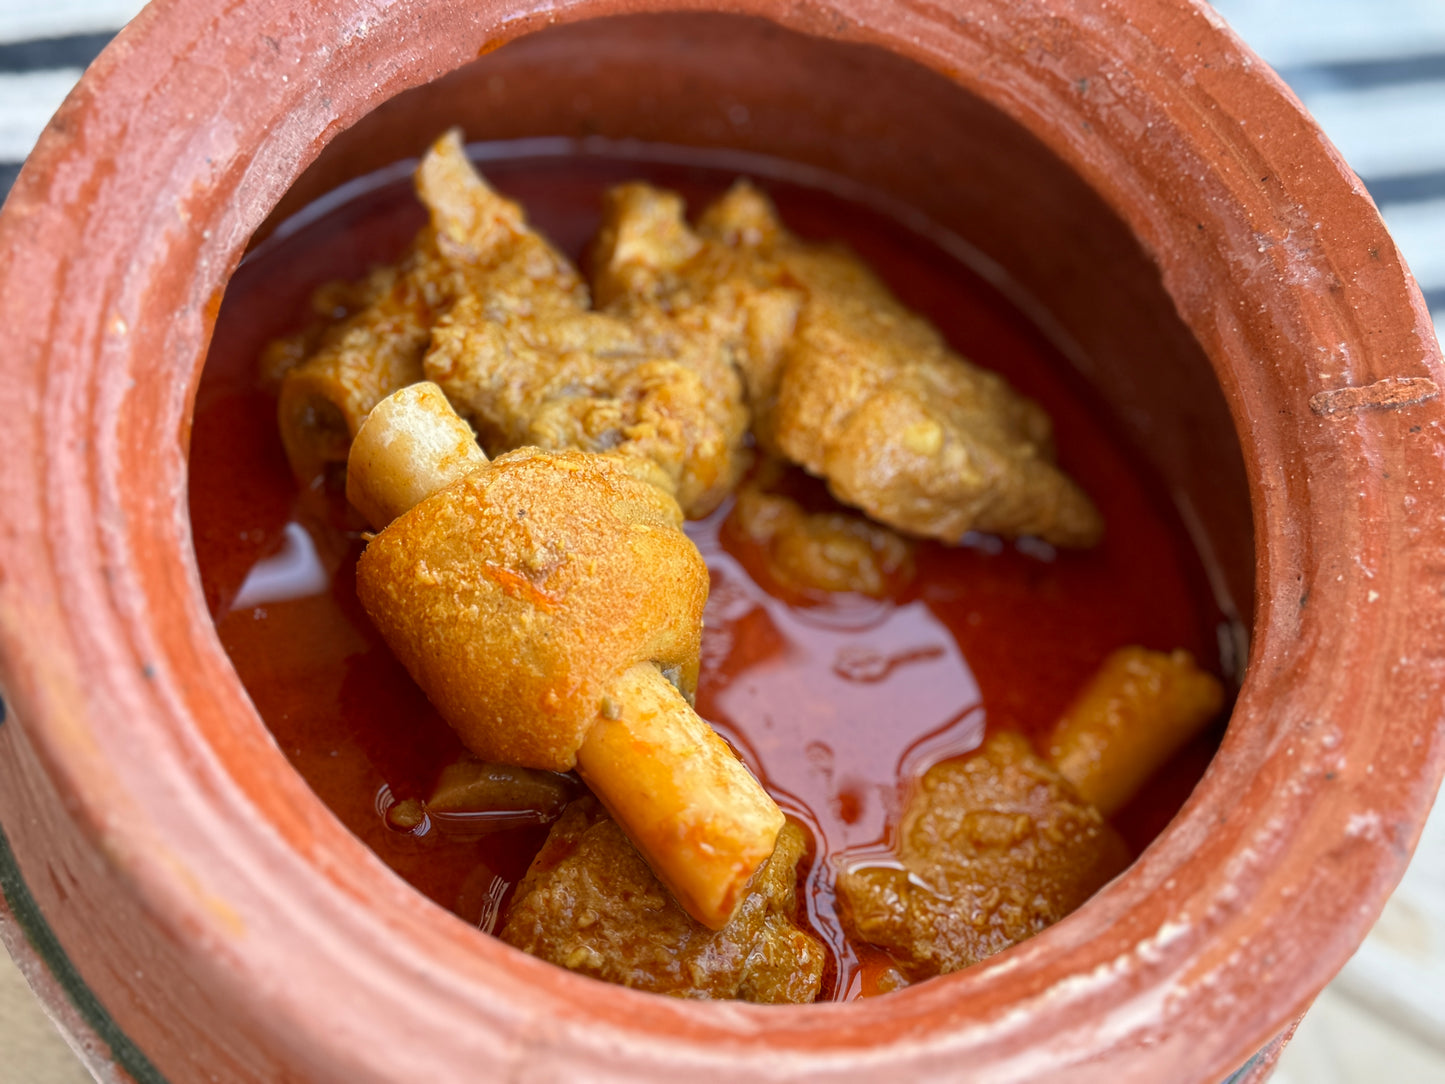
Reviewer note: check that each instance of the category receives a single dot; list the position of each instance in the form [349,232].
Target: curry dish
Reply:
[700,619]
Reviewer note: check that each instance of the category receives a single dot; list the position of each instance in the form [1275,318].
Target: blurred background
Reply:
[1373,73]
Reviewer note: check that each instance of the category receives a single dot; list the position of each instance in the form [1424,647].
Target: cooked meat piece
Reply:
[841,378]
[822,551]
[551,607]
[332,374]
[993,849]
[474,797]
[470,786]
[376,332]
[563,566]
[590,903]
[713,287]
[527,361]
[488,309]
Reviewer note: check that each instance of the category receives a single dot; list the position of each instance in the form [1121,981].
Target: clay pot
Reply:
[1148,188]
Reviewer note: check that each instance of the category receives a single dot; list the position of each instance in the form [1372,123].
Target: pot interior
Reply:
[921,150]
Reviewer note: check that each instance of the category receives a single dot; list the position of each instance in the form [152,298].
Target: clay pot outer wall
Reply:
[235,931]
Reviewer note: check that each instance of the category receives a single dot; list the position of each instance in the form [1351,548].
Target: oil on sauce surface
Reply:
[836,704]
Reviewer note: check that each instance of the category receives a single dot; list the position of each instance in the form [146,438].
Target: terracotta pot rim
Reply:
[159,802]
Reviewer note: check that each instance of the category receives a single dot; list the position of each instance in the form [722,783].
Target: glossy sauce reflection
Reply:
[836,703]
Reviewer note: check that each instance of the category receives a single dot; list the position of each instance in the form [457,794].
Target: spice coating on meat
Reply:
[841,377]
[378,329]
[821,552]
[487,308]
[562,565]
[590,903]
[526,360]
[993,849]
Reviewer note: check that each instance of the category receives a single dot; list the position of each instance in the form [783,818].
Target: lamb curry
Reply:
[675,600]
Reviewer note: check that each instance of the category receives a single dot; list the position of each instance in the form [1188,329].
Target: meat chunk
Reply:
[375,333]
[477,789]
[372,342]
[524,357]
[551,607]
[993,849]
[822,551]
[485,307]
[493,569]
[841,377]
[590,903]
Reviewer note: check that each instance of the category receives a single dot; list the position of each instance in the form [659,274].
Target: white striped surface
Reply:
[1293,33]
[27,101]
[21,20]
[1419,230]
[1384,131]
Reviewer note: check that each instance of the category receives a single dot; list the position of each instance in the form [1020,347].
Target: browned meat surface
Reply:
[372,342]
[842,378]
[518,595]
[550,604]
[374,334]
[469,786]
[526,360]
[591,904]
[994,848]
[475,797]
[484,306]
[822,551]
[551,607]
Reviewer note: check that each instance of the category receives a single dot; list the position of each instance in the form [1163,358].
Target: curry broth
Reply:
[836,702]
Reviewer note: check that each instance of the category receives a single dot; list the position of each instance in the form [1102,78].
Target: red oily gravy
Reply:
[836,702]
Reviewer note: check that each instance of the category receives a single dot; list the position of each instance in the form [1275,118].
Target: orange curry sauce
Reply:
[837,703]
